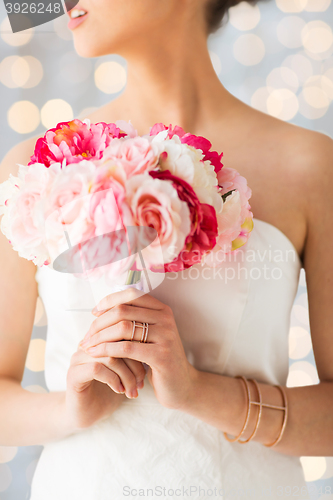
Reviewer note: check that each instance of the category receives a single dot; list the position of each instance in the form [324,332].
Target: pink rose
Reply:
[74,141]
[136,155]
[67,208]
[196,141]
[155,203]
[203,233]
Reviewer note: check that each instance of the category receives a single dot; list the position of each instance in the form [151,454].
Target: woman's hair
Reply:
[216,10]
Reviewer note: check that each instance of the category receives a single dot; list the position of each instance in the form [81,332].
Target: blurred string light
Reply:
[23,117]
[14,39]
[289,31]
[55,111]
[249,49]
[36,355]
[40,313]
[110,77]
[7,453]
[38,389]
[300,343]
[303,5]
[5,477]
[302,373]
[283,77]
[314,467]
[244,16]
[61,29]
[25,72]
[300,65]
[317,39]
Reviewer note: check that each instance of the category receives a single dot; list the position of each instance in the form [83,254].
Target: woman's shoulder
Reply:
[294,147]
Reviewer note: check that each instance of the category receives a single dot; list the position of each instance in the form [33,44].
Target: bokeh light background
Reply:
[276,57]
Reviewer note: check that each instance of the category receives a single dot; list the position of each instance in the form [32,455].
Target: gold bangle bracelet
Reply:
[247,415]
[259,403]
[285,416]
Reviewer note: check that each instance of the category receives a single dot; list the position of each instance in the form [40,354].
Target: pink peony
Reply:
[196,141]
[228,180]
[74,141]
[23,208]
[135,155]
[203,233]
[235,221]
[155,203]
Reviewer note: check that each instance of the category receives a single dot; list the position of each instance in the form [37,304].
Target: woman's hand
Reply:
[95,387]
[170,373]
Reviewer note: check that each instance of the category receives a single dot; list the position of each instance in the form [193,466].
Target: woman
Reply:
[104,439]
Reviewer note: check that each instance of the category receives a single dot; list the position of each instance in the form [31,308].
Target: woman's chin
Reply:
[85,49]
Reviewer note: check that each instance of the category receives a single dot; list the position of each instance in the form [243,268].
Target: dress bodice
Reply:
[232,320]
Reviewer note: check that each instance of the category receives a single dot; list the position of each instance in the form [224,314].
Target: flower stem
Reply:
[133,277]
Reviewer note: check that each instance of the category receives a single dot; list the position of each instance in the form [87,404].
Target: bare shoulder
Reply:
[294,148]
[286,167]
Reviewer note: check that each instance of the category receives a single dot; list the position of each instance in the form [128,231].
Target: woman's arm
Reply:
[25,418]
[221,401]
[94,388]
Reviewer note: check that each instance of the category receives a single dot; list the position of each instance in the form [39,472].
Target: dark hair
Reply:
[216,10]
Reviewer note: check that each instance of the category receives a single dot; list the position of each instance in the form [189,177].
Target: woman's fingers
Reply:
[124,373]
[131,296]
[129,372]
[123,312]
[120,331]
[138,370]
[80,376]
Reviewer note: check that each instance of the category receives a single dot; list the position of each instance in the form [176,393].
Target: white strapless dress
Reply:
[233,322]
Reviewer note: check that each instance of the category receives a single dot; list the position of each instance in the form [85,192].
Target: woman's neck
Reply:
[172,81]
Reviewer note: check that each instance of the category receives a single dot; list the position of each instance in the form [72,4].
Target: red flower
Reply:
[203,234]
[74,141]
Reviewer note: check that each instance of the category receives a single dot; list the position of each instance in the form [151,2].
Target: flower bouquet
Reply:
[98,199]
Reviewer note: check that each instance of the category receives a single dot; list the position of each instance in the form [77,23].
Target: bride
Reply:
[216,345]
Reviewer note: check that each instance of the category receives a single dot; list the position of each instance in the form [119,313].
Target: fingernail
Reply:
[91,349]
[140,384]
[133,394]
[84,342]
